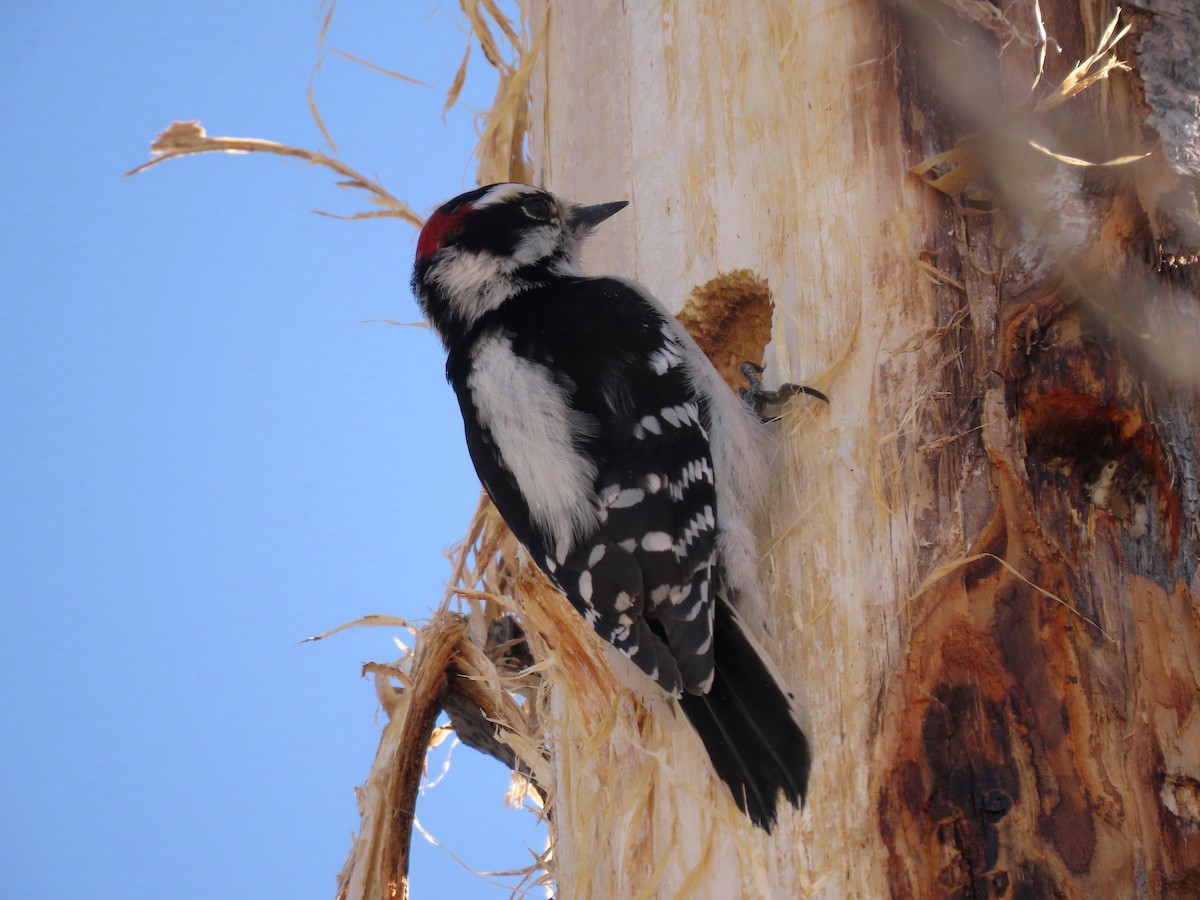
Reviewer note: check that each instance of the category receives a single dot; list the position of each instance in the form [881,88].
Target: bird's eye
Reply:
[538,208]
[456,232]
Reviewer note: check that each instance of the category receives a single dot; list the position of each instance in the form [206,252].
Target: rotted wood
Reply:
[1042,736]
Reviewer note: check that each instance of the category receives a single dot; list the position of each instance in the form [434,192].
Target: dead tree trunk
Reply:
[983,553]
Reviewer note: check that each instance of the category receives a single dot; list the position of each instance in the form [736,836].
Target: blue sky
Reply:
[208,454]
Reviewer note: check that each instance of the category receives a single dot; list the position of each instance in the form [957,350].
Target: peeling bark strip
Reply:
[477,685]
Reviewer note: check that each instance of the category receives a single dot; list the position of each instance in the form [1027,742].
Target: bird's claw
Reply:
[759,398]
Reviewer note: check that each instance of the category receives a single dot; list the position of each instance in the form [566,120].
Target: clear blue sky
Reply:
[206,456]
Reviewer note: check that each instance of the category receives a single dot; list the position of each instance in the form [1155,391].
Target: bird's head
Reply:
[490,244]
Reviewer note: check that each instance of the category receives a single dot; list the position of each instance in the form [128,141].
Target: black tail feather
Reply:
[748,727]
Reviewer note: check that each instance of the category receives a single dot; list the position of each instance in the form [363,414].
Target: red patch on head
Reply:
[437,227]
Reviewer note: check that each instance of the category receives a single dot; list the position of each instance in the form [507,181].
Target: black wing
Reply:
[641,575]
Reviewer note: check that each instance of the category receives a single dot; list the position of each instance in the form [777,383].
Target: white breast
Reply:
[537,433]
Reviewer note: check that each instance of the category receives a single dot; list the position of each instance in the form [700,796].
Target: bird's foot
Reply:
[758,398]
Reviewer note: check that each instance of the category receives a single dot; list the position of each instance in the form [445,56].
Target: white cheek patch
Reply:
[537,434]
[538,243]
[475,282]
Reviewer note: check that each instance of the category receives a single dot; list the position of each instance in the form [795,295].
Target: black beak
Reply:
[582,219]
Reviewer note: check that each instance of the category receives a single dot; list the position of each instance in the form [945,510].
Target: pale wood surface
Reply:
[999,664]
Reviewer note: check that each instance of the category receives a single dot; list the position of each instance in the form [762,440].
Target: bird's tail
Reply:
[748,726]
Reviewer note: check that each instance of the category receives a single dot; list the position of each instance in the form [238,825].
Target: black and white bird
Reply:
[620,459]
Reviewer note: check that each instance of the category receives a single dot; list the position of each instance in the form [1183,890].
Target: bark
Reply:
[982,554]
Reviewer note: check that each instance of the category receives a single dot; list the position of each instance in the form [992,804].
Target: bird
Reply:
[622,462]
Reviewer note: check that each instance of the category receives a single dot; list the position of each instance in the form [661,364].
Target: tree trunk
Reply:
[982,553]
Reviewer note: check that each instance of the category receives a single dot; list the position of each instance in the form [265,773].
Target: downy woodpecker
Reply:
[621,461]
